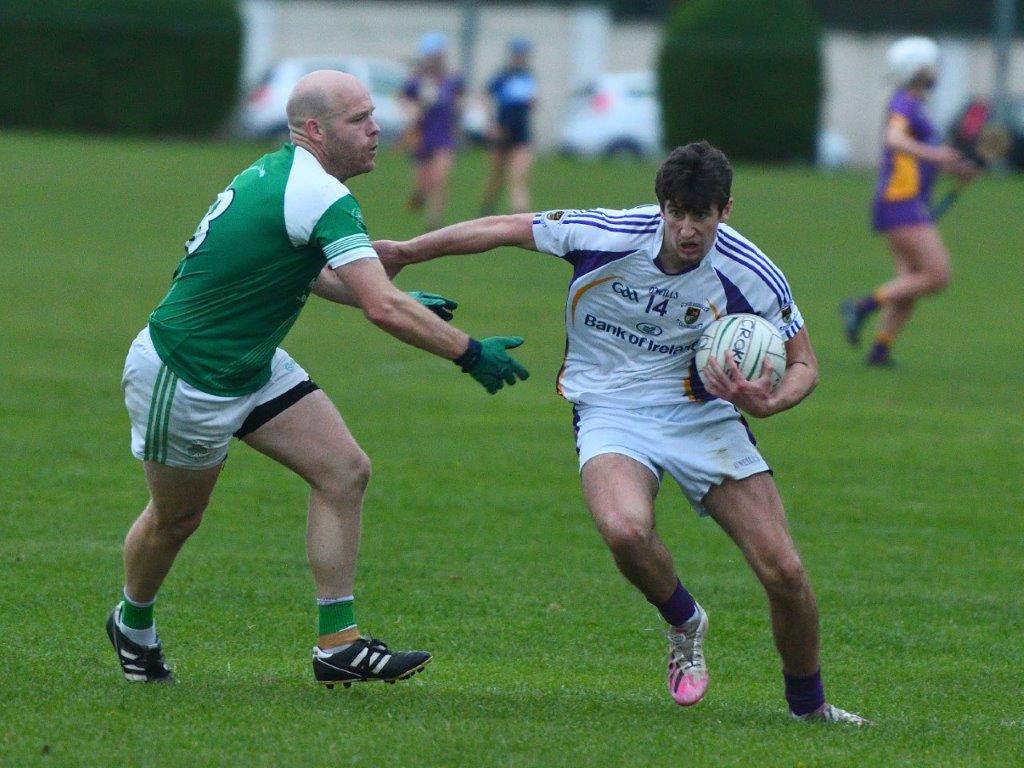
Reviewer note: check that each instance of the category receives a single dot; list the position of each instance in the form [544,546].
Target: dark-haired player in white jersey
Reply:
[646,281]
[207,367]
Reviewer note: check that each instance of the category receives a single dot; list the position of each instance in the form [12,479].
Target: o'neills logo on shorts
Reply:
[198,451]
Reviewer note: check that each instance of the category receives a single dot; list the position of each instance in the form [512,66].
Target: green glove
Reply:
[489,363]
[439,305]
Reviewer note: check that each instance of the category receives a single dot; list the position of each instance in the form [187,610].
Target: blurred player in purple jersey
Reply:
[433,97]
[912,155]
[513,91]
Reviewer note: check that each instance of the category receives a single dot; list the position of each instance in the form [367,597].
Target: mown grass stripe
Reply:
[901,466]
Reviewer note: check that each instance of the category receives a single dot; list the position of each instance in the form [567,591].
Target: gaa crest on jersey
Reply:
[787,313]
[626,291]
[691,315]
[555,215]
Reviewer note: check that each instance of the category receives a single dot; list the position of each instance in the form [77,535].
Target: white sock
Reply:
[332,601]
[691,623]
[146,637]
[334,649]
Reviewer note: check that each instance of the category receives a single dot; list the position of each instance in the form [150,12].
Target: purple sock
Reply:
[879,352]
[804,694]
[679,607]
[867,305]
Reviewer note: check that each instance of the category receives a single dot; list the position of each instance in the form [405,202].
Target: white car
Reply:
[616,115]
[262,114]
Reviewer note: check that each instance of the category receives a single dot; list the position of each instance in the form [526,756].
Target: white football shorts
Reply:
[174,423]
[697,444]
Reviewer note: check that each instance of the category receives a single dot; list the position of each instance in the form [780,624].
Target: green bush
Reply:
[745,76]
[954,17]
[127,66]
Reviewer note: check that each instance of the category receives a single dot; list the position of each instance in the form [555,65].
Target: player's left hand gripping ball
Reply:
[491,365]
[439,305]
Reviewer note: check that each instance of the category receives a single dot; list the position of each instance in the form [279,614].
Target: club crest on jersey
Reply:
[694,316]
[555,215]
[787,313]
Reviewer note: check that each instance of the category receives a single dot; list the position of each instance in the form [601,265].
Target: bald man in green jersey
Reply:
[207,367]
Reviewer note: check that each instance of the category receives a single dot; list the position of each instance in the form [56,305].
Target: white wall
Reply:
[854,96]
[392,30]
[856,90]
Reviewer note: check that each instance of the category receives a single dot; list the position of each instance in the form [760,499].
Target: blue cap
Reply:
[520,45]
[433,43]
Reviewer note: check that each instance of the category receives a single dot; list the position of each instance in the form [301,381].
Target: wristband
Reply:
[470,357]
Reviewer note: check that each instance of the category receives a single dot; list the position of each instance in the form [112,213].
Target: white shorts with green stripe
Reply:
[174,423]
[698,444]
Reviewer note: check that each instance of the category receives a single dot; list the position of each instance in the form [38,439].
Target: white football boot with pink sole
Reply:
[687,669]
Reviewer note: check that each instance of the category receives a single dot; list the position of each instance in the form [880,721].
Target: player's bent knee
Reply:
[180,525]
[938,280]
[345,477]
[784,577]
[624,535]
[360,470]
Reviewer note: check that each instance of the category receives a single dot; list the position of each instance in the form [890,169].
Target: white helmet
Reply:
[909,55]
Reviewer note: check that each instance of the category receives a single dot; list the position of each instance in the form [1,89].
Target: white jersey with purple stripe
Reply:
[631,329]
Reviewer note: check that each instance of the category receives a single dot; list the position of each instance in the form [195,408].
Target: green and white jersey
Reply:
[249,269]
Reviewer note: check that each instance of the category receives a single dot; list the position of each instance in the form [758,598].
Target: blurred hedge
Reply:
[745,76]
[127,66]
[950,17]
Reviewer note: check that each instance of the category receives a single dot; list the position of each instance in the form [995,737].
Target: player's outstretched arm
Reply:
[331,287]
[474,236]
[755,396]
[410,321]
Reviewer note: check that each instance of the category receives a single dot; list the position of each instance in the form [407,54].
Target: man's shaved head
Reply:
[330,114]
[319,93]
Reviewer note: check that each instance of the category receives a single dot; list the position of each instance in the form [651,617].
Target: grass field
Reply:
[904,490]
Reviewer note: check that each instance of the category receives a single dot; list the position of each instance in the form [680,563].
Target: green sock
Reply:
[136,616]
[334,615]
